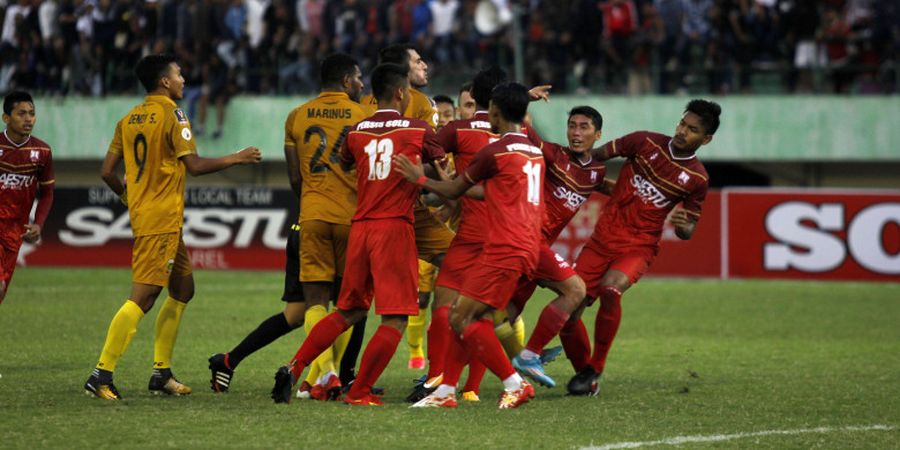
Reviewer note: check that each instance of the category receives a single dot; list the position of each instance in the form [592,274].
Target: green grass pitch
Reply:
[693,358]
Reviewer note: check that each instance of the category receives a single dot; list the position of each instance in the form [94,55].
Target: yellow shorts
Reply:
[157,257]
[433,237]
[426,276]
[323,251]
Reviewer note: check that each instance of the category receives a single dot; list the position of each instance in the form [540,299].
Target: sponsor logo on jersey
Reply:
[186,133]
[181,116]
[15,180]
[647,192]
[573,200]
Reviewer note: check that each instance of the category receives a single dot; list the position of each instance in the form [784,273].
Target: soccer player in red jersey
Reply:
[572,176]
[512,170]
[661,172]
[26,169]
[382,239]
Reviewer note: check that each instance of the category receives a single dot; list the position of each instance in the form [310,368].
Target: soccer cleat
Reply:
[470,396]
[550,354]
[532,368]
[163,382]
[220,373]
[365,400]
[331,390]
[303,392]
[416,362]
[284,383]
[516,398]
[424,386]
[585,382]
[433,401]
[105,391]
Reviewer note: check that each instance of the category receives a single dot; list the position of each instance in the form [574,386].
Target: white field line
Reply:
[678,440]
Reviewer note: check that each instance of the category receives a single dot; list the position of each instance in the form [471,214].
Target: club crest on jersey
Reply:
[35,155]
[683,178]
[653,156]
[593,176]
[181,116]
[1,152]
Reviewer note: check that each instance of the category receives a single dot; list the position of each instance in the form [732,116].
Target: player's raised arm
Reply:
[197,165]
[415,173]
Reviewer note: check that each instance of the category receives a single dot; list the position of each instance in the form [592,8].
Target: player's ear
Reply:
[707,139]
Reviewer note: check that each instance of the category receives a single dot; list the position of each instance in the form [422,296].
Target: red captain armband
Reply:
[421,180]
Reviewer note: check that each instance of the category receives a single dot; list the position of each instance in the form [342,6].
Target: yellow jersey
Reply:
[151,138]
[316,130]
[420,107]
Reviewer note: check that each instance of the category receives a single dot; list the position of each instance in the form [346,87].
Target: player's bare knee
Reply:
[573,291]
[353,316]
[396,322]
[294,314]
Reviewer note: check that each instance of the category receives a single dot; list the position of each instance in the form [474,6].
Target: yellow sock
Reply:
[519,327]
[508,339]
[325,362]
[121,330]
[415,330]
[167,322]
[340,344]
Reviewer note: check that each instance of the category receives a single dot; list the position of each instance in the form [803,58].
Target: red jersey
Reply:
[650,184]
[567,185]
[512,169]
[372,143]
[23,167]
[464,138]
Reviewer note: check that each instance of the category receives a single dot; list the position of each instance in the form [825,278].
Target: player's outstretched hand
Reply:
[411,170]
[32,233]
[540,93]
[249,155]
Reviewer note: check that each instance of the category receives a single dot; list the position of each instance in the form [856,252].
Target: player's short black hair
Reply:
[395,54]
[441,98]
[151,68]
[484,83]
[386,78]
[512,101]
[9,102]
[590,113]
[709,114]
[466,87]
[335,67]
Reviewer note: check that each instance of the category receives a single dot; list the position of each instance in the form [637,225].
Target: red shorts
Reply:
[490,285]
[551,267]
[593,262]
[460,258]
[10,242]
[381,262]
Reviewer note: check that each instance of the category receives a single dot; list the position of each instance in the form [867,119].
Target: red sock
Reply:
[576,343]
[476,374]
[551,321]
[482,343]
[455,360]
[378,354]
[606,326]
[320,337]
[439,335]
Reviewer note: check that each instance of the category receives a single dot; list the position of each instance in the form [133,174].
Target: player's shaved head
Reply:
[335,67]
[151,68]
[387,78]
[511,99]
[395,54]
[484,83]
[708,112]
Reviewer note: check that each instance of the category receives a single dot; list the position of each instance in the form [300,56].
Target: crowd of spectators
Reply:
[89,47]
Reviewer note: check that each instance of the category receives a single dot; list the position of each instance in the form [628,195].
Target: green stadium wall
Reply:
[757,128]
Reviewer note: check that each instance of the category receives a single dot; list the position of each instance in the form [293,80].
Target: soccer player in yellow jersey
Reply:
[313,136]
[312,132]
[156,142]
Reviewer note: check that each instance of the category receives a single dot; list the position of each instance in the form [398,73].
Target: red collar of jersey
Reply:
[14,142]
